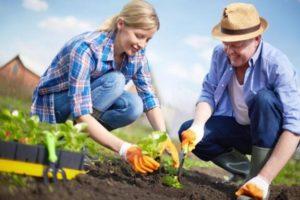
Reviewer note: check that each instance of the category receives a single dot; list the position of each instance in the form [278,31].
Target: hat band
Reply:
[240,31]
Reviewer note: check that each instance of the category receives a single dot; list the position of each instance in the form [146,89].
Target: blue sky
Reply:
[179,53]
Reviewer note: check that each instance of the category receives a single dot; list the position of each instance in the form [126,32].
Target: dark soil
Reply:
[115,180]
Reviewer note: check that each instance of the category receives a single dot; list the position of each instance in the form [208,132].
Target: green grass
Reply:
[15,104]
[289,175]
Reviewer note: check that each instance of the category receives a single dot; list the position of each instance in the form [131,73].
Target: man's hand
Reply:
[139,162]
[192,136]
[171,149]
[257,188]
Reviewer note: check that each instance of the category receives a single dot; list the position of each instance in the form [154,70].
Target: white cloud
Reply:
[198,41]
[36,5]
[65,25]
[202,46]
[177,71]
[193,74]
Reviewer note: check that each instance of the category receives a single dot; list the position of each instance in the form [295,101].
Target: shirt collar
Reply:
[254,58]
[108,47]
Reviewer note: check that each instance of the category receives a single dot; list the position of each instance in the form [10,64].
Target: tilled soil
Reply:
[115,180]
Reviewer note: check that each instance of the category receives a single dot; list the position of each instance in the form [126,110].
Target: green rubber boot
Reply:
[235,163]
[259,157]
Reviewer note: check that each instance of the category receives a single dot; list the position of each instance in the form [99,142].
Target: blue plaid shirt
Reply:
[82,60]
[268,68]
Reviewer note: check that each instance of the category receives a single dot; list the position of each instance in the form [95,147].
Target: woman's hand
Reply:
[140,163]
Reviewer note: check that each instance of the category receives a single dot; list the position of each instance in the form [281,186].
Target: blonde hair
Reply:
[136,14]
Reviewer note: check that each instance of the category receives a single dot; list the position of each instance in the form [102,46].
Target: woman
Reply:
[86,80]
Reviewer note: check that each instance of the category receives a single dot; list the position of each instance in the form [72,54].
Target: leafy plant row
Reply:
[16,126]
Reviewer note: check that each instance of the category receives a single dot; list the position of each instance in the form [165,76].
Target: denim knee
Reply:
[184,127]
[112,80]
[264,98]
[134,106]
[266,118]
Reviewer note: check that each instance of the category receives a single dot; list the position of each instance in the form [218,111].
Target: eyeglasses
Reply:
[236,46]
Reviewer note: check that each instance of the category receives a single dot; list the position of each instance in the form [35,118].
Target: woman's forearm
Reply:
[100,134]
[156,119]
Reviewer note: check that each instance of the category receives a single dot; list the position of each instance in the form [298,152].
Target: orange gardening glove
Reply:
[139,162]
[191,137]
[171,149]
[257,188]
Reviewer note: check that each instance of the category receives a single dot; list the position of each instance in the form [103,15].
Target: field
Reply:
[111,178]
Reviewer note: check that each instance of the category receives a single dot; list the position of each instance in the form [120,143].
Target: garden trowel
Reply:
[182,156]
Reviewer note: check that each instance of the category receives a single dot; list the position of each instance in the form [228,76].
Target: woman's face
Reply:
[131,40]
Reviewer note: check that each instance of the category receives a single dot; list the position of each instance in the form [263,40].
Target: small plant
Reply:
[172,181]
[153,143]
[16,126]
[69,136]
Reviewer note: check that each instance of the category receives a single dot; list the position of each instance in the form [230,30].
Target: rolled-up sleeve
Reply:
[286,87]
[210,83]
[79,81]
[143,82]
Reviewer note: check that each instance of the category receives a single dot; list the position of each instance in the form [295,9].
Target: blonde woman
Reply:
[86,81]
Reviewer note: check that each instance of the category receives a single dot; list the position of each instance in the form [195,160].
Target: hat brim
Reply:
[217,33]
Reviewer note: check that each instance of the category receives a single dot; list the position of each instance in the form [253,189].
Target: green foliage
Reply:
[14,181]
[69,136]
[290,174]
[172,181]
[15,104]
[17,126]
[193,162]
[133,133]
[152,144]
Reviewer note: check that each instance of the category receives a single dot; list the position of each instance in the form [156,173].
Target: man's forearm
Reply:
[282,152]
[156,119]
[202,113]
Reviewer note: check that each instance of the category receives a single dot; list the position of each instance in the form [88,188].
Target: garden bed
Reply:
[112,179]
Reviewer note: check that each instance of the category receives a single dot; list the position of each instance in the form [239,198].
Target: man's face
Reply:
[240,52]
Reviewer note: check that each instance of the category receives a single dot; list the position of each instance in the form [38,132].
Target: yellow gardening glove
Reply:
[191,137]
[257,188]
[139,162]
[171,149]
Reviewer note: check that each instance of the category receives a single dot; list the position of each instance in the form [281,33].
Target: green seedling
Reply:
[152,144]
[16,126]
[172,181]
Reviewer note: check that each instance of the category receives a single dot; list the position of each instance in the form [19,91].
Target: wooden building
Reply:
[17,80]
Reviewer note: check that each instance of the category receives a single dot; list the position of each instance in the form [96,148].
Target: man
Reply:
[249,104]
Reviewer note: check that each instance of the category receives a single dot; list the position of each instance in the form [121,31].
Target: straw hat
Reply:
[240,21]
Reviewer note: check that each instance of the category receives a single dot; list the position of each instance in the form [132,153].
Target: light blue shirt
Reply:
[268,68]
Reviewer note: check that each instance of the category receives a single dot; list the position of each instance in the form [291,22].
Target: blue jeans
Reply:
[222,133]
[113,107]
